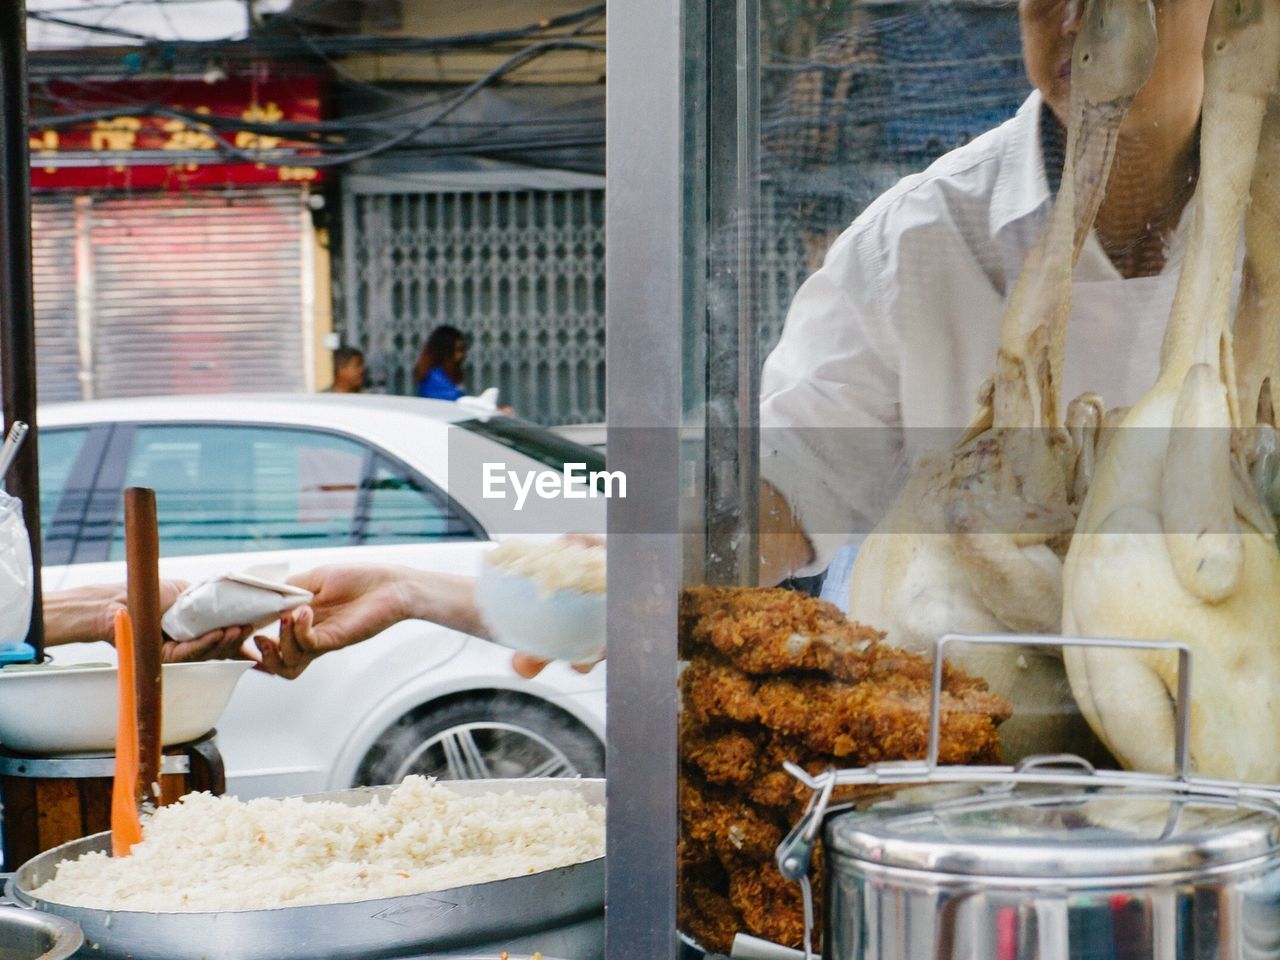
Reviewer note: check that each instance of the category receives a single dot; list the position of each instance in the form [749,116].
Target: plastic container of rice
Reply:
[547,599]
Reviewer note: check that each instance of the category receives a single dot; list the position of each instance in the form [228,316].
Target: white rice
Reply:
[209,853]
[557,565]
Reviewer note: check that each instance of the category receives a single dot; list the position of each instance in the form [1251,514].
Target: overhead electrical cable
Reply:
[213,125]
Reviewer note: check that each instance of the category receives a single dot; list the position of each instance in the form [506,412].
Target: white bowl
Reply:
[560,625]
[73,709]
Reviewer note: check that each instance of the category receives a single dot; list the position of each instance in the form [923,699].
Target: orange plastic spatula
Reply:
[126,828]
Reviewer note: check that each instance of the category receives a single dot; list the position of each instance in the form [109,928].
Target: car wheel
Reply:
[483,737]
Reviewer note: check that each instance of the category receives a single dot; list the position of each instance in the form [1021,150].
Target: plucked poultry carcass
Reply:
[974,542]
[1256,336]
[1173,541]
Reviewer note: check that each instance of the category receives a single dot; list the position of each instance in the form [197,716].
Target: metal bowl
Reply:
[560,912]
[29,935]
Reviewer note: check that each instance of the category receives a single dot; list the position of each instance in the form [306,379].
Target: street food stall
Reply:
[1021,417]
[1040,721]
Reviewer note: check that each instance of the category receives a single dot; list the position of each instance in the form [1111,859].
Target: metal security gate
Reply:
[521,271]
[182,294]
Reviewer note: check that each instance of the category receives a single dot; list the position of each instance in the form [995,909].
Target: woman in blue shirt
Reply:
[438,372]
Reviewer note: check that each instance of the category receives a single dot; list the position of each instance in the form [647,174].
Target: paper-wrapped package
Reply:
[228,601]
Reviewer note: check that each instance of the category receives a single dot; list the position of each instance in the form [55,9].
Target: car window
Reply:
[401,509]
[227,489]
[537,443]
[58,452]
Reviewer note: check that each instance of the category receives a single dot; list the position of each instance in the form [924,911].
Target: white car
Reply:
[296,481]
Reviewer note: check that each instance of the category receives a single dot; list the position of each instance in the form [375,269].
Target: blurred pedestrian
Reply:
[438,372]
[348,371]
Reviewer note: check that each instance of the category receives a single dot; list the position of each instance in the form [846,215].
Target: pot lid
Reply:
[1049,832]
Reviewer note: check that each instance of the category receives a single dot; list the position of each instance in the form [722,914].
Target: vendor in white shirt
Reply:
[898,329]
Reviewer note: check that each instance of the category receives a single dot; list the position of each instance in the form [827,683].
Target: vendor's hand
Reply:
[225,643]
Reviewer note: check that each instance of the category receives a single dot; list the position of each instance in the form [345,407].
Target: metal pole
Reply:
[17,303]
[645,266]
[733,316]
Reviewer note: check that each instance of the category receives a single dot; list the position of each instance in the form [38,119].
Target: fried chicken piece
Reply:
[699,602]
[714,690]
[732,827]
[766,630]
[725,756]
[708,916]
[773,787]
[772,907]
[777,790]
[884,719]
[697,860]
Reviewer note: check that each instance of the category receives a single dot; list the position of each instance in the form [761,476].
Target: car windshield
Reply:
[535,442]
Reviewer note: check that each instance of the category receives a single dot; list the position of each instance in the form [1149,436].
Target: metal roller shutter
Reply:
[53,242]
[198,293]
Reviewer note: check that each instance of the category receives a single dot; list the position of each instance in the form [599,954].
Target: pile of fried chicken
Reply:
[776,675]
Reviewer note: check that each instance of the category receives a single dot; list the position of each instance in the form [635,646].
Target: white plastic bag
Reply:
[228,601]
[16,576]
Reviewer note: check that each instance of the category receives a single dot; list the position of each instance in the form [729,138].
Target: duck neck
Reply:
[1229,144]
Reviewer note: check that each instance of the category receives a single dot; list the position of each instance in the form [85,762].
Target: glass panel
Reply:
[925,279]
[58,452]
[238,489]
[400,509]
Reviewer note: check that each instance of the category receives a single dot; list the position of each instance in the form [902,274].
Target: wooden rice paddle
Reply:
[142,559]
[126,828]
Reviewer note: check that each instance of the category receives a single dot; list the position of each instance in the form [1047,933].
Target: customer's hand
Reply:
[295,648]
[348,604]
[529,666]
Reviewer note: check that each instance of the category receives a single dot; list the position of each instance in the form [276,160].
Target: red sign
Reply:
[170,148]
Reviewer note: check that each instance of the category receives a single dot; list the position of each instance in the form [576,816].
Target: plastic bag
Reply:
[17,580]
[229,600]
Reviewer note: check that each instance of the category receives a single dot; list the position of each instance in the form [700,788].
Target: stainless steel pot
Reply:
[29,935]
[1047,860]
[558,912]
[1054,872]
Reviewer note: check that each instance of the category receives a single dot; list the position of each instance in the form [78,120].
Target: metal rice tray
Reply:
[557,912]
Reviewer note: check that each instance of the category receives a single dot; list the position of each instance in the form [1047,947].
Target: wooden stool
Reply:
[49,801]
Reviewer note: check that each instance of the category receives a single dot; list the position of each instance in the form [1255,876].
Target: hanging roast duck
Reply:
[974,542]
[1173,542]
